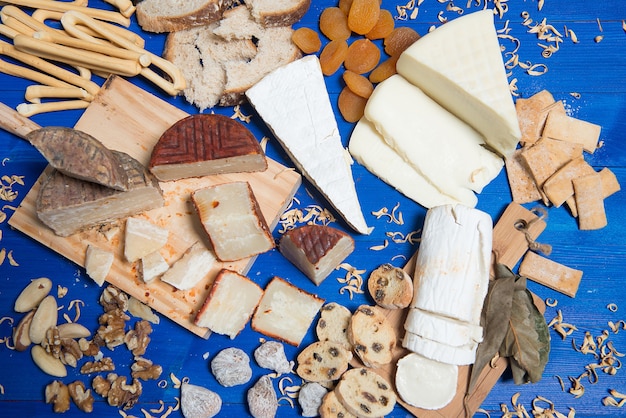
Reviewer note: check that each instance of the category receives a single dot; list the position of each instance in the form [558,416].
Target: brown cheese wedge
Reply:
[316,249]
[79,155]
[206,144]
[67,204]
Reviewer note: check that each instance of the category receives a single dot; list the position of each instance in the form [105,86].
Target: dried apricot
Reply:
[383,26]
[384,70]
[345,5]
[363,56]
[351,106]
[400,39]
[307,40]
[358,84]
[334,24]
[332,56]
[363,15]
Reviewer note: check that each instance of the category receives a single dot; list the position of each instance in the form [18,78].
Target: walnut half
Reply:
[58,394]
[81,396]
[144,369]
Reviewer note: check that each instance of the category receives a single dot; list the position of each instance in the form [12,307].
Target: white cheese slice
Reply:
[191,268]
[453,263]
[369,149]
[426,383]
[442,329]
[142,237]
[294,103]
[152,266]
[469,79]
[441,352]
[285,312]
[442,148]
[98,263]
[230,304]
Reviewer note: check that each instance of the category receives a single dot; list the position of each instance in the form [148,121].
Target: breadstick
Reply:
[15,17]
[11,121]
[60,6]
[76,57]
[35,93]
[30,109]
[126,7]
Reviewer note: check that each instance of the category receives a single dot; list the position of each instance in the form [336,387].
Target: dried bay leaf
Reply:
[495,319]
[527,342]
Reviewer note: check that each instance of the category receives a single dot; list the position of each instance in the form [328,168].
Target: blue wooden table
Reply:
[588,75]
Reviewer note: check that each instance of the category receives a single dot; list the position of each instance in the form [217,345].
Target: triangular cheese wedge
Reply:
[294,103]
[142,237]
[460,66]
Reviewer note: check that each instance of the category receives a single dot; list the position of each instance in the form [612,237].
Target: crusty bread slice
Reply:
[221,61]
[172,15]
[272,13]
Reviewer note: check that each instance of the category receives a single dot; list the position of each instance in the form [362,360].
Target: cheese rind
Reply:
[294,103]
[369,149]
[469,79]
[447,152]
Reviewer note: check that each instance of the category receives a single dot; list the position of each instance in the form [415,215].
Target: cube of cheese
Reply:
[191,268]
[285,312]
[230,303]
[231,216]
[98,263]
[152,266]
[142,237]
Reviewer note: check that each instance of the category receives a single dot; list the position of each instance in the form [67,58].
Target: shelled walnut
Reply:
[91,347]
[52,342]
[101,386]
[144,369]
[70,352]
[58,394]
[137,340]
[104,365]
[81,396]
[112,298]
[112,324]
[122,394]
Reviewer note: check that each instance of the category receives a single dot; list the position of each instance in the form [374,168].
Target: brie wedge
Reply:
[369,149]
[469,79]
[442,148]
[294,103]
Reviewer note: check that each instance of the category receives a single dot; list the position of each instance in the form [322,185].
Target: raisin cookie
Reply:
[372,336]
[323,361]
[333,324]
[390,287]
[365,393]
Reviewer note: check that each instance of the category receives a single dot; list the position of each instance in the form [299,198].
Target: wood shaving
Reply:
[7,319]
[412,237]
[264,142]
[76,305]
[616,399]
[312,214]
[239,115]
[353,280]
[380,247]
[551,303]
[61,291]
[562,328]
[1,390]
[612,307]
[393,217]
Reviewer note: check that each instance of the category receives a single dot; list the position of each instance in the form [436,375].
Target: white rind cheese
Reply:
[142,237]
[369,149]
[469,79]
[191,268]
[425,383]
[438,351]
[442,329]
[447,152]
[294,103]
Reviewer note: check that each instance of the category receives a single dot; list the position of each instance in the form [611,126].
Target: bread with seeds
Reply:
[323,361]
[372,336]
[365,393]
[333,324]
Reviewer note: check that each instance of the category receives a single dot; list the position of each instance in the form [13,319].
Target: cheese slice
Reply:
[230,304]
[191,268]
[442,148]
[98,263]
[425,383]
[453,263]
[152,266]
[369,149]
[469,79]
[442,329]
[438,351]
[294,103]
[142,237]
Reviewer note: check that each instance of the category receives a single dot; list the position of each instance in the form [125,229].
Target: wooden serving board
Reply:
[510,244]
[129,119]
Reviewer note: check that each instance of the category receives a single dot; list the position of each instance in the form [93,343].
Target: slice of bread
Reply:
[172,15]
[222,60]
[278,12]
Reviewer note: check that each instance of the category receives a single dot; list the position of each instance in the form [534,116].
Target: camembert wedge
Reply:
[294,103]
[469,79]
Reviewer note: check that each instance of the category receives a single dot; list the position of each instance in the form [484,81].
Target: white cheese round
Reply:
[425,383]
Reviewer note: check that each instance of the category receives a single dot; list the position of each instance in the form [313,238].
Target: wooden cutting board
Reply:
[129,119]
[510,244]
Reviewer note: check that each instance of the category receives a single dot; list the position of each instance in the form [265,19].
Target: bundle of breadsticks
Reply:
[60,46]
